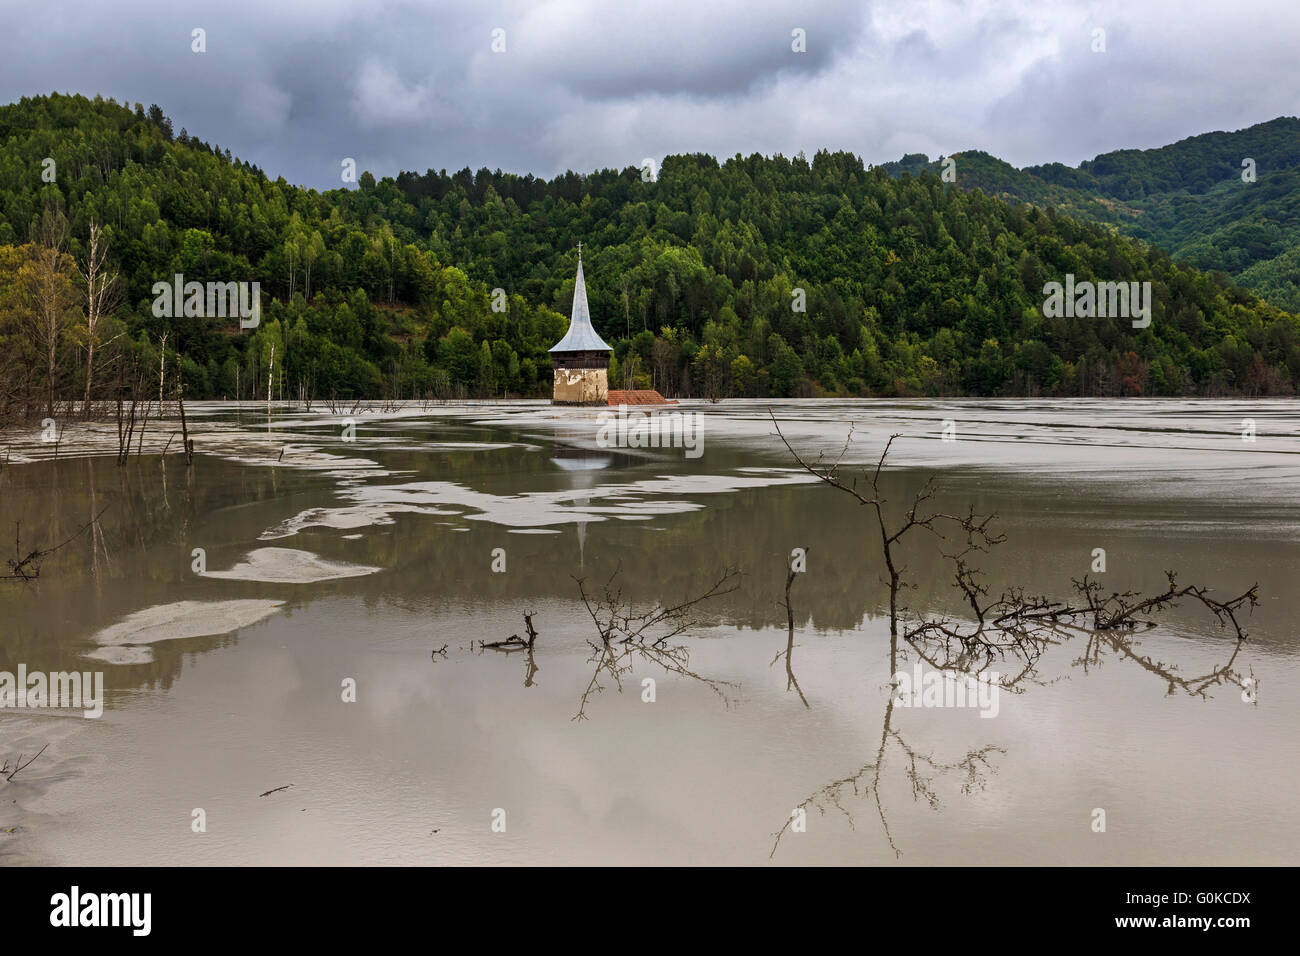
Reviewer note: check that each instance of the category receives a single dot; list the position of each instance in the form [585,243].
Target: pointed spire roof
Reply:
[581,336]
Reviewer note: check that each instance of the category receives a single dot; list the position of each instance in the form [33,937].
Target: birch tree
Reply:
[52,296]
[103,292]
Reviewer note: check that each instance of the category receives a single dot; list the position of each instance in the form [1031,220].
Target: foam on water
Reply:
[169,622]
[288,566]
[344,519]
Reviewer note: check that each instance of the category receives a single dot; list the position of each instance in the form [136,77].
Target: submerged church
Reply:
[581,358]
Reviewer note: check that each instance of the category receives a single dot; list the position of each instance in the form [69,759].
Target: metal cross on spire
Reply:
[579,248]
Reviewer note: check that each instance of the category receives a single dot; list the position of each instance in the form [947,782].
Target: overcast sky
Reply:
[297,85]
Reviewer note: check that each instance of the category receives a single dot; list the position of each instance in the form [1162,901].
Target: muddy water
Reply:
[333,559]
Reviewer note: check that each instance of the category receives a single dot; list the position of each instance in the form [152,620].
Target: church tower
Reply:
[581,358]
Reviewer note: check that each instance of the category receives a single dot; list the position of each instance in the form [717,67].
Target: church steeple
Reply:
[581,336]
[581,358]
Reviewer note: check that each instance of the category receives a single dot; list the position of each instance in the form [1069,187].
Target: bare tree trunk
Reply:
[52,297]
[102,294]
[90,368]
[270,373]
[186,441]
[162,368]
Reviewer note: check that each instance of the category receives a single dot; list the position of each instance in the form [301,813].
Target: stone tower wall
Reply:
[581,386]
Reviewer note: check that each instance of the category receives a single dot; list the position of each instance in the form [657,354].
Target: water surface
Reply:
[330,560]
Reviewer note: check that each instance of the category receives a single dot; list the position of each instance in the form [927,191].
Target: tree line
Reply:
[756,276]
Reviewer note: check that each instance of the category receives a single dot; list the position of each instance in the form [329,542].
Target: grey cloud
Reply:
[298,85]
[686,47]
[1139,95]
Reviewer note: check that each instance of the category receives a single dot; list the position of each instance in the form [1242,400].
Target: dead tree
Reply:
[514,643]
[186,442]
[52,295]
[27,568]
[126,416]
[974,527]
[1016,626]
[626,636]
[9,771]
[103,292]
[162,374]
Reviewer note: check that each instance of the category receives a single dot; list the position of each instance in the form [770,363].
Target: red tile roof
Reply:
[638,396]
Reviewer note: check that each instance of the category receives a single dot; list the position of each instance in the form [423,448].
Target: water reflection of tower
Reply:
[582,465]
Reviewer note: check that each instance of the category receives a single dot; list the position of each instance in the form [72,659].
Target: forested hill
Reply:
[752,277]
[1188,198]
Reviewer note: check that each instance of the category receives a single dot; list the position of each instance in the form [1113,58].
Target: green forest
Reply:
[751,277]
[1226,202]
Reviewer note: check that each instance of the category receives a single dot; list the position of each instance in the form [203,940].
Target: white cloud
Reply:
[380,96]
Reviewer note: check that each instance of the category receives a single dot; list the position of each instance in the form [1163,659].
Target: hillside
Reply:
[1188,198]
[386,288]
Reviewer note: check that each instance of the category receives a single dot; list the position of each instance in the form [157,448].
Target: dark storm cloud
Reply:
[298,86]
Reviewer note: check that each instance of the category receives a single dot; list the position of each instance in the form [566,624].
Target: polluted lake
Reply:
[859,632]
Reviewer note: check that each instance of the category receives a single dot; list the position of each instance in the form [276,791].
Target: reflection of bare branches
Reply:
[1124,646]
[1021,628]
[972,766]
[28,568]
[626,636]
[790,680]
[1017,626]
[531,670]
[615,660]
[921,770]
[606,659]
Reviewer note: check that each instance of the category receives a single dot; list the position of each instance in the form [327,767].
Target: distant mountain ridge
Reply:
[1187,198]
